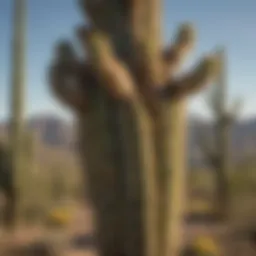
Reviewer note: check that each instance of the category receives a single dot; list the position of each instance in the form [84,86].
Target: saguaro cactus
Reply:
[132,122]
[17,95]
[218,154]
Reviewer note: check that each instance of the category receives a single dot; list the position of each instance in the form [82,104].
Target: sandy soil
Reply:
[58,239]
[82,224]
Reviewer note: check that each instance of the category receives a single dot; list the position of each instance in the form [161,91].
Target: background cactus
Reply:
[27,179]
[17,98]
[218,152]
[131,121]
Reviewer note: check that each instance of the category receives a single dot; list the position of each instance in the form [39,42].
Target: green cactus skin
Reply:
[131,122]
[21,141]
[102,171]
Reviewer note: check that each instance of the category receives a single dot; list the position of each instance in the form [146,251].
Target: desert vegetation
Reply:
[127,188]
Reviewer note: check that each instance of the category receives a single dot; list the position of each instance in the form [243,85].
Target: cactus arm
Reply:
[71,98]
[174,54]
[65,79]
[112,71]
[174,162]
[112,17]
[139,18]
[193,82]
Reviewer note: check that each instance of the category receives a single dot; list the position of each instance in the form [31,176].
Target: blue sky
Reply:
[220,22]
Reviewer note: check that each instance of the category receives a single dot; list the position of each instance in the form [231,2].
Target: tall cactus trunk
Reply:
[141,176]
[106,189]
[131,112]
[175,161]
[17,99]
[125,150]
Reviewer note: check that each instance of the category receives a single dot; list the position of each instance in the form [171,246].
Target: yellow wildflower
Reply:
[206,246]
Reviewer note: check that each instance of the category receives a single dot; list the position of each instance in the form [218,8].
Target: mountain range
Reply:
[54,132]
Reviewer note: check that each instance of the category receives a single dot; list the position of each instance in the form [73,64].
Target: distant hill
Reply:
[54,146]
[243,139]
[51,130]
[56,133]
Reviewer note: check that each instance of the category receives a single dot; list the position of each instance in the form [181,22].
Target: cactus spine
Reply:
[17,101]
[219,154]
[131,119]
